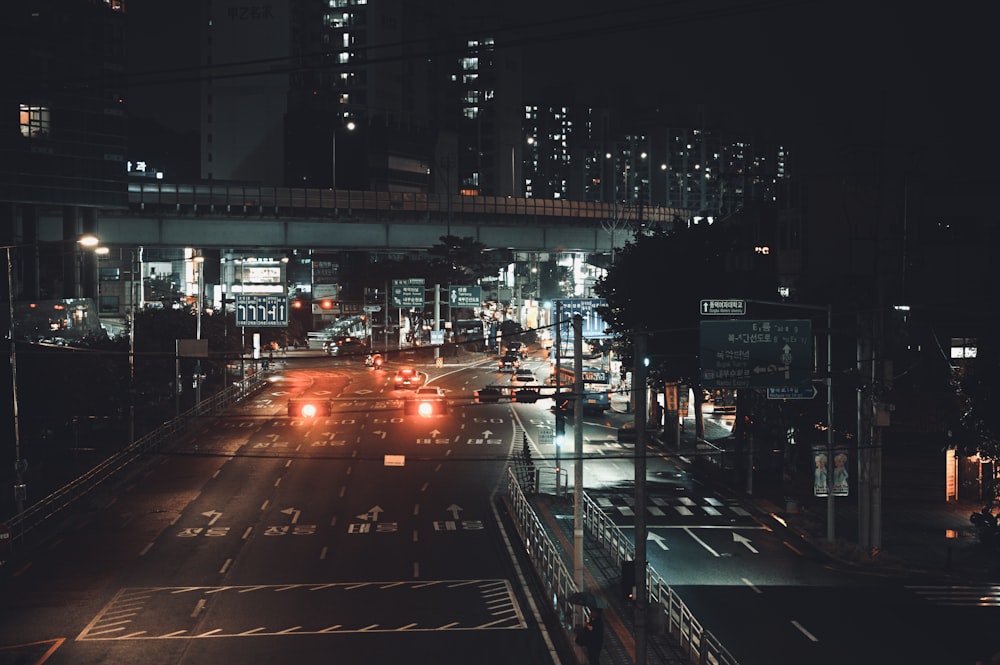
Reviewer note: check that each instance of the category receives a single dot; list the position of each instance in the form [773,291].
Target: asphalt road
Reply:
[366,534]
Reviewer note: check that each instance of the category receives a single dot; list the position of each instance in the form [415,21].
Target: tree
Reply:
[460,260]
[656,283]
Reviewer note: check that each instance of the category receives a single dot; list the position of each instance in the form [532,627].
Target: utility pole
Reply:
[639,388]
[578,451]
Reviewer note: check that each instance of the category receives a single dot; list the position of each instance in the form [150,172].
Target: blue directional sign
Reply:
[262,311]
[408,292]
[792,392]
[594,325]
[756,354]
[465,296]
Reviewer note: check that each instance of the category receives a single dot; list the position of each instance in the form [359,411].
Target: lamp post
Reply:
[333,152]
[199,262]
[20,489]
[830,507]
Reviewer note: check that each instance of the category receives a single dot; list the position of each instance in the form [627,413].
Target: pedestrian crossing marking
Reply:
[623,505]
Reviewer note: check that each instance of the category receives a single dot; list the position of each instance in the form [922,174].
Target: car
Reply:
[670,481]
[343,346]
[426,401]
[407,378]
[509,362]
[520,348]
[523,375]
[627,433]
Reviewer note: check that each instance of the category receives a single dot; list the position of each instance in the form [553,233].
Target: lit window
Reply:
[34,121]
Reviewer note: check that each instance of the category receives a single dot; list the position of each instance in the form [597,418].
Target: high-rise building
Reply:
[63,144]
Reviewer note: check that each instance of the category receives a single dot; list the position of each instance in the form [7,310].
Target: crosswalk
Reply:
[693,507]
[969,595]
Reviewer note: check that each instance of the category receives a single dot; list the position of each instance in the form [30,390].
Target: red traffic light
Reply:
[326,303]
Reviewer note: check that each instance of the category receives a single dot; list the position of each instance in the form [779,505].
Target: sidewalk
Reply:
[917,537]
[603,577]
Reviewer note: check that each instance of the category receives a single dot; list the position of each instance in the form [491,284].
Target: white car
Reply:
[522,376]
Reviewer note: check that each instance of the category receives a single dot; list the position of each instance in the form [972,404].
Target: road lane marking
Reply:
[701,542]
[805,632]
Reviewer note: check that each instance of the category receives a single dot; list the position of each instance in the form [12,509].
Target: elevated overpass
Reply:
[228,216]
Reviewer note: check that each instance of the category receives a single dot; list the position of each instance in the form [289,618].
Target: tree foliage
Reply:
[657,281]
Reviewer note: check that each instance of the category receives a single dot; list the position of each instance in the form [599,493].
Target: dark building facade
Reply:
[63,138]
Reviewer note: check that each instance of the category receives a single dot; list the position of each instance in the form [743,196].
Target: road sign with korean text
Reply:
[756,354]
[408,292]
[722,307]
[261,311]
[465,296]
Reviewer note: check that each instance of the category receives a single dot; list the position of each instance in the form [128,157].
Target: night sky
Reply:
[822,77]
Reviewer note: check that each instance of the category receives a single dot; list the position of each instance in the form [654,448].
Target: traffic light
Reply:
[309,408]
[487,395]
[526,396]
[560,428]
[326,304]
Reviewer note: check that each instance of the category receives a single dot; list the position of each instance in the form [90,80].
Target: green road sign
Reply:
[408,292]
[756,354]
[465,296]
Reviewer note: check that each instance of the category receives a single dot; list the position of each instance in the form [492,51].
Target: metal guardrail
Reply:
[232,199]
[43,510]
[698,644]
[555,577]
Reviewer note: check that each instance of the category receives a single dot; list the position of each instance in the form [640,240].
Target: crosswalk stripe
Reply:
[653,510]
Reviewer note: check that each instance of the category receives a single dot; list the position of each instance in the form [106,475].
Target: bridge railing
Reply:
[699,645]
[230,199]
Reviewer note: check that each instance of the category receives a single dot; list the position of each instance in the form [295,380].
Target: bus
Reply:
[596,388]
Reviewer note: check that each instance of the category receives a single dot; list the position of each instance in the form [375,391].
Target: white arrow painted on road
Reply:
[454,510]
[294,513]
[658,539]
[435,432]
[380,433]
[214,515]
[487,434]
[737,538]
[372,514]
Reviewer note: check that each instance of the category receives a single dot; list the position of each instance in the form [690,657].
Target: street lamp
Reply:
[350,126]
[20,489]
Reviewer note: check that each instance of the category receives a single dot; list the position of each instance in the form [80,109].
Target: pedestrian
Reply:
[595,636]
